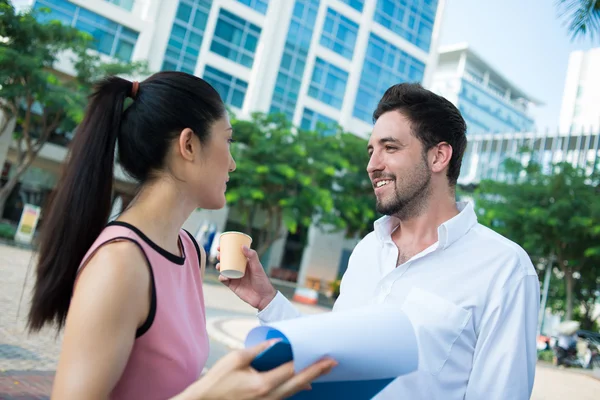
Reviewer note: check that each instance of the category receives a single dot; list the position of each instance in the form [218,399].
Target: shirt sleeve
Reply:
[505,353]
[279,309]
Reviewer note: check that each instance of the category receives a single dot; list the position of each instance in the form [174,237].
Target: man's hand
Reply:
[254,287]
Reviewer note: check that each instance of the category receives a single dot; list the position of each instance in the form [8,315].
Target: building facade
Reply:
[580,110]
[485,153]
[313,60]
[488,101]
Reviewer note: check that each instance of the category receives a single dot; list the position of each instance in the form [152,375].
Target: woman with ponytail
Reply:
[128,294]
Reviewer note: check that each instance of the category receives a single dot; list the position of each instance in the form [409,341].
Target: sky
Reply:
[525,40]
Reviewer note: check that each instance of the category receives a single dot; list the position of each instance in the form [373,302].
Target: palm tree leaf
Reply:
[582,17]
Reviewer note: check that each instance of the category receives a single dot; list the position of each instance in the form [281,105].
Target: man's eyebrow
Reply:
[388,139]
[384,140]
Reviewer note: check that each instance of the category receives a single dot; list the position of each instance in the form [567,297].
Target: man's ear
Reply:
[441,156]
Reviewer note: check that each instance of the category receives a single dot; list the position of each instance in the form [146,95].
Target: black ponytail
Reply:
[81,203]
[164,104]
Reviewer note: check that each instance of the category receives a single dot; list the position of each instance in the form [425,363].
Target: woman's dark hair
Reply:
[163,105]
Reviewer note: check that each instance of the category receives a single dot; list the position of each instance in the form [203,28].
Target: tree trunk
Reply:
[8,188]
[271,233]
[251,214]
[569,294]
[587,322]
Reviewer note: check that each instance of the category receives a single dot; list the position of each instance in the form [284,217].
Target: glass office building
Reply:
[319,62]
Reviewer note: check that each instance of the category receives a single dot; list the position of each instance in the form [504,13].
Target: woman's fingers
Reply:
[302,380]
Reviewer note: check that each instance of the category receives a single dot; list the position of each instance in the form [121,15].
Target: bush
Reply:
[335,288]
[545,355]
[7,231]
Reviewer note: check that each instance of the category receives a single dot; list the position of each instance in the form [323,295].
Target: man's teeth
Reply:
[381,183]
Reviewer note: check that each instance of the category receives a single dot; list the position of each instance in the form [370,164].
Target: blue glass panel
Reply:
[259,5]
[109,37]
[485,111]
[231,89]
[293,61]
[356,4]
[411,19]
[235,38]
[328,83]
[186,35]
[312,120]
[339,33]
[385,65]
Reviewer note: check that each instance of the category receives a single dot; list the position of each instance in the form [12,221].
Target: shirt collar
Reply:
[448,232]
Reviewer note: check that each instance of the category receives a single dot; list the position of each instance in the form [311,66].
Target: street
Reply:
[27,361]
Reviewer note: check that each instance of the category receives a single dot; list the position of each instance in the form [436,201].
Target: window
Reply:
[293,60]
[110,38]
[328,83]
[339,33]
[411,19]
[485,112]
[356,4]
[312,120]
[126,4]
[385,65]
[186,36]
[231,89]
[259,5]
[235,38]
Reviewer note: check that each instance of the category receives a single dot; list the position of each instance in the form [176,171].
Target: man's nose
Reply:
[375,163]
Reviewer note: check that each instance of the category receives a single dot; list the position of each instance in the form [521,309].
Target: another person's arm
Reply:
[506,353]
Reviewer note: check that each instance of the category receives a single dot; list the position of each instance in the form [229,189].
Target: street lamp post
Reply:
[547,277]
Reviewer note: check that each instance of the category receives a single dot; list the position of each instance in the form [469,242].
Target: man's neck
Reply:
[417,233]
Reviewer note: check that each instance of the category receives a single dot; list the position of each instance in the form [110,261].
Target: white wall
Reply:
[321,256]
[582,112]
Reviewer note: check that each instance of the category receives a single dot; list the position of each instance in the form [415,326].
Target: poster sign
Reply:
[28,223]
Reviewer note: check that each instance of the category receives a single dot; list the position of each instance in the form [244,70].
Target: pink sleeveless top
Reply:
[171,347]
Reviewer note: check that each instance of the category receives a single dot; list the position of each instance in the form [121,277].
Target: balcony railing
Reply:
[494,92]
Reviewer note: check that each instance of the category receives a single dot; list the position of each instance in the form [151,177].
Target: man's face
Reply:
[398,167]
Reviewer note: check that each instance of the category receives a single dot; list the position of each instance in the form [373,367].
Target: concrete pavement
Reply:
[27,362]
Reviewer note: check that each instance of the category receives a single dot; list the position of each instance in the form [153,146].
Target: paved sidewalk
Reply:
[27,362]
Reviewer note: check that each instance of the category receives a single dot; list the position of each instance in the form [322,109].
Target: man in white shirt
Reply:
[471,294]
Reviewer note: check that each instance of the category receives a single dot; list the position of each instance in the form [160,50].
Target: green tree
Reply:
[43,100]
[581,16]
[288,177]
[550,214]
[276,178]
[352,191]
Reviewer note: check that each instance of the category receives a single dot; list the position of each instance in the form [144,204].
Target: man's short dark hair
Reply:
[433,120]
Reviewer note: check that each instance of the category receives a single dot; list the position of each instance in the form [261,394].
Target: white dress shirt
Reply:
[473,299]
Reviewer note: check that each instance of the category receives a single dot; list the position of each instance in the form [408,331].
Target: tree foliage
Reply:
[45,101]
[292,177]
[581,16]
[553,216]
